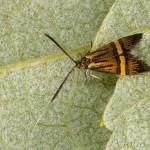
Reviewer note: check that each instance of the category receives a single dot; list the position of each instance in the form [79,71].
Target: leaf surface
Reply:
[32,69]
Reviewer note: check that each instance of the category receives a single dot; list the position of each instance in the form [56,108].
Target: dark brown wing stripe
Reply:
[99,56]
[115,52]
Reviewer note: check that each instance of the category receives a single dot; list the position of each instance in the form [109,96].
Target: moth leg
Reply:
[90,73]
[86,74]
[80,56]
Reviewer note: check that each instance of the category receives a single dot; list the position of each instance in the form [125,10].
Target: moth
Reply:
[115,58]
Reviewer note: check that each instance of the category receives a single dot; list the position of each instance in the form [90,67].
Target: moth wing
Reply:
[135,66]
[115,57]
[128,42]
[111,49]
[108,50]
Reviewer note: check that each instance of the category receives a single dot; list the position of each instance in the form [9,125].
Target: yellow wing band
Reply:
[121,58]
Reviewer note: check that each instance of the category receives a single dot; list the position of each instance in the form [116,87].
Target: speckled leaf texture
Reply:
[32,68]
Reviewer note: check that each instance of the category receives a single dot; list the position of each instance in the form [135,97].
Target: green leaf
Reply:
[32,69]
[128,112]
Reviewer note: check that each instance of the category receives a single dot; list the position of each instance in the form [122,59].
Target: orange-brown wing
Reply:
[115,48]
[135,66]
[115,57]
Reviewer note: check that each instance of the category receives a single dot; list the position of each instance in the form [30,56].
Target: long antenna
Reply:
[55,95]
[60,47]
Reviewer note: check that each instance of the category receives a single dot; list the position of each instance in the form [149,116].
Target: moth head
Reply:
[83,63]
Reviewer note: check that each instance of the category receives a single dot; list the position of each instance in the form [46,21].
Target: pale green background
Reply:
[32,68]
